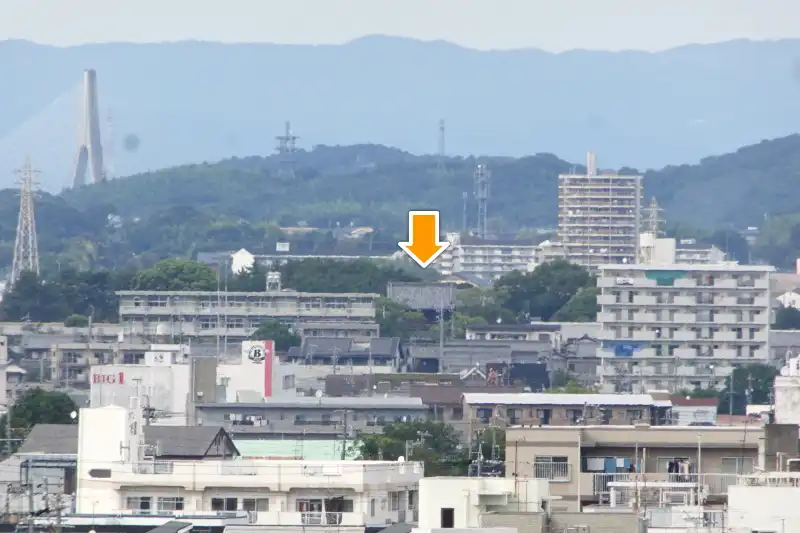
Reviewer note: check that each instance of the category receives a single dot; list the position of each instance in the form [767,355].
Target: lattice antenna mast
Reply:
[287,143]
[441,152]
[654,218]
[26,246]
[481,178]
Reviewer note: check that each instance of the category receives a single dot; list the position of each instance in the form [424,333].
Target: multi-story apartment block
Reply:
[690,252]
[599,217]
[544,409]
[490,259]
[204,315]
[584,463]
[676,327]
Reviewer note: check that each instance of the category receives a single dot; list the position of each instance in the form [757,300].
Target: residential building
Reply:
[490,259]
[599,217]
[344,353]
[356,331]
[116,477]
[205,316]
[173,383]
[688,411]
[691,252]
[344,415]
[545,409]
[582,462]
[675,327]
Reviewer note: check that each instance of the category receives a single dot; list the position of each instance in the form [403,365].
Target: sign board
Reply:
[109,379]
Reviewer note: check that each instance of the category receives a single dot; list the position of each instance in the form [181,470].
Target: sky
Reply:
[553,25]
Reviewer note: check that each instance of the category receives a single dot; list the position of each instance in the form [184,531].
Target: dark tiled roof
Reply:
[173,526]
[422,295]
[452,395]
[539,326]
[342,348]
[192,441]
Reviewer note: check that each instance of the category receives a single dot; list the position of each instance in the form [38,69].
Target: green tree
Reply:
[36,406]
[752,384]
[582,307]
[544,291]
[787,318]
[396,320]
[331,275]
[278,332]
[570,386]
[176,275]
[76,321]
[434,443]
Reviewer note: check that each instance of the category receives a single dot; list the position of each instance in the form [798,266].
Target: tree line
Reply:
[553,291]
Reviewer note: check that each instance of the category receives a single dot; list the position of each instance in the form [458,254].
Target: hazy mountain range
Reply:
[194,102]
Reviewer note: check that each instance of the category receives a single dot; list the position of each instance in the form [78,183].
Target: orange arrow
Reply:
[423,244]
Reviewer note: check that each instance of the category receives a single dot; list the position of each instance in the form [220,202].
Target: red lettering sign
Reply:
[109,379]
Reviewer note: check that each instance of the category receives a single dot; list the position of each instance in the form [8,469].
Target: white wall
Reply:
[688,414]
[764,508]
[471,497]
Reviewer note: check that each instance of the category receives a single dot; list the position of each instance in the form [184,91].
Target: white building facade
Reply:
[488,259]
[114,477]
[675,327]
[164,379]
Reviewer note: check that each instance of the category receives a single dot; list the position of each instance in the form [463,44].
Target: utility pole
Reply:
[344,435]
[30,506]
[730,395]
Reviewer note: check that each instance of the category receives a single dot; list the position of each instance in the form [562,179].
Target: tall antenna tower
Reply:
[481,179]
[654,219]
[465,216]
[90,148]
[441,152]
[26,246]
[287,143]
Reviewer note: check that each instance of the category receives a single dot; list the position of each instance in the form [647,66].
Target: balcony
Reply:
[711,484]
[552,471]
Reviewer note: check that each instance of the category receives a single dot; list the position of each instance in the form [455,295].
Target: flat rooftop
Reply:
[717,267]
[536,398]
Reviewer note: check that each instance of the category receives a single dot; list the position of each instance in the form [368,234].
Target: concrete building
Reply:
[545,409]
[599,217]
[658,250]
[312,414]
[203,316]
[116,478]
[675,327]
[582,461]
[171,384]
[489,259]
[694,411]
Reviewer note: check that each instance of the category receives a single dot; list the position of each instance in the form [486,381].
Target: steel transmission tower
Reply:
[26,247]
[441,152]
[90,149]
[481,179]
[654,220]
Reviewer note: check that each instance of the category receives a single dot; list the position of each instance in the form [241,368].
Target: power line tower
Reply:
[654,218]
[481,178]
[287,143]
[441,151]
[26,247]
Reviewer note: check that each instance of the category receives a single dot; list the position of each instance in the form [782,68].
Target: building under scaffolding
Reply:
[599,216]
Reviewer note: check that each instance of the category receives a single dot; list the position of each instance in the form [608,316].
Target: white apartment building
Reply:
[204,315]
[675,327]
[116,478]
[658,250]
[599,217]
[487,259]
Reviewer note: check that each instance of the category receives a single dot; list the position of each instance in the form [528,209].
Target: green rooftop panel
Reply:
[665,277]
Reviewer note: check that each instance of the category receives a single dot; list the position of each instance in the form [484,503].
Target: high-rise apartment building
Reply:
[681,327]
[599,216]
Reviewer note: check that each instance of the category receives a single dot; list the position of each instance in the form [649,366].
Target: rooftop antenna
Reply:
[481,179]
[287,145]
[26,246]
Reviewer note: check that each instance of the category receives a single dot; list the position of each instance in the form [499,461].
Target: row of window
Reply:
[573,416]
[671,315]
[280,302]
[700,333]
[324,419]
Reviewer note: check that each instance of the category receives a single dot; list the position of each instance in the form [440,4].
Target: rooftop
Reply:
[535,398]
[720,267]
[309,402]
[285,292]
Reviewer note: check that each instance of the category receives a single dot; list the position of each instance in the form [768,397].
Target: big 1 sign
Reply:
[109,379]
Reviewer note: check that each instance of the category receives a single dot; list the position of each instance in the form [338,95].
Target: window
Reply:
[484,413]
[170,504]
[139,504]
[554,468]
[737,465]
[574,416]
[255,504]
[372,507]
[224,504]
[394,500]
[634,415]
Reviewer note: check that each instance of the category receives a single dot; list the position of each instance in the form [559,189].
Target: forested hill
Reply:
[235,203]
[376,186]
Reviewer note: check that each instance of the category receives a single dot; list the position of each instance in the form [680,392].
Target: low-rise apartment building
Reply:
[580,461]
[544,409]
[675,327]
[347,415]
[490,259]
[203,316]
[116,477]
